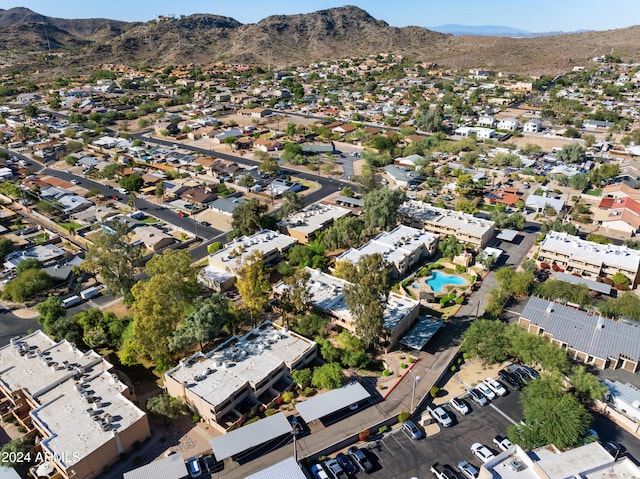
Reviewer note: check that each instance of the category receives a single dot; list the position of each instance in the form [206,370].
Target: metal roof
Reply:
[603,288]
[624,392]
[332,401]
[422,332]
[172,467]
[289,468]
[252,435]
[507,235]
[585,332]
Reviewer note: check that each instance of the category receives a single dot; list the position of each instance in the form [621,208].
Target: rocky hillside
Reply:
[287,39]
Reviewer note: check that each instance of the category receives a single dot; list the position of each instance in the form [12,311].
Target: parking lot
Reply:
[401,457]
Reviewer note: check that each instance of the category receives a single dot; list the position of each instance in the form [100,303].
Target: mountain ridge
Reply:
[37,42]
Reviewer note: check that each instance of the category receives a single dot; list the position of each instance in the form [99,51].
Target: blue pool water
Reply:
[438,280]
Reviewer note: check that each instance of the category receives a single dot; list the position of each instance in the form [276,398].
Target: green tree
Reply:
[293,202]
[302,377]
[131,182]
[554,289]
[247,217]
[573,153]
[100,329]
[328,352]
[586,385]
[327,376]
[449,247]
[12,452]
[26,286]
[487,339]
[49,312]
[167,407]
[269,165]
[29,263]
[620,279]
[381,208]
[253,285]
[6,246]
[346,232]
[160,189]
[159,304]
[114,258]
[311,325]
[366,297]
[430,120]
[295,299]
[202,325]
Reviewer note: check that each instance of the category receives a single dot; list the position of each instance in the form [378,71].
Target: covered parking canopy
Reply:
[422,332]
[289,469]
[172,467]
[507,235]
[248,437]
[332,401]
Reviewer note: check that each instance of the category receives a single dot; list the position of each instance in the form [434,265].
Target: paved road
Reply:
[11,325]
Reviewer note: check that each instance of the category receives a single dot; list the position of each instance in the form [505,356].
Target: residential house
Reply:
[532,126]
[539,203]
[402,248]
[487,121]
[508,196]
[597,125]
[83,416]
[255,112]
[305,225]
[344,129]
[402,177]
[231,133]
[153,238]
[587,337]
[266,144]
[199,196]
[621,190]
[241,375]
[227,204]
[620,216]
[510,124]
[464,227]
[588,258]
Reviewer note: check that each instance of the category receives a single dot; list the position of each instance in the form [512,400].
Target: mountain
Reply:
[28,41]
[481,30]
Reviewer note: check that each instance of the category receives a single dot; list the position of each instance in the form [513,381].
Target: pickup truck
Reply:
[443,471]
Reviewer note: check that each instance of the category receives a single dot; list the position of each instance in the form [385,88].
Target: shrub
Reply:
[411,360]
[383,429]
[195,418]
[137,445]
[433,392]
[22,429]
[269,412]
[460,268]
[122,456]
[453,368]
[288,396]
[364,435]
[213,247]
[386,373]
[403,416]
[403,366]
[252,420]
[308,391]
[460,300]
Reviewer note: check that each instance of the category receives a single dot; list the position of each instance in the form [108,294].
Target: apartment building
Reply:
[305,225]
[83,415]
[588,258]
[240,375]
[402,248]
[587,337]
[327,294]
[464,227]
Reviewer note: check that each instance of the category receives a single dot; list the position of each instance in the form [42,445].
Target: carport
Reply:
[172,467]
[332,401]
[289,469]
[422,332]
[507,235]
[603,288]
[251,436]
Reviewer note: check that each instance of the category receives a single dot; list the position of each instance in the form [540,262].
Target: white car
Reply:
[459,405]
[502,442]
[482,452]
[486,391]
[467,470]
[439,414]
[496,386]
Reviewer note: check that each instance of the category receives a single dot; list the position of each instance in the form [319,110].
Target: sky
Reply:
[540,16]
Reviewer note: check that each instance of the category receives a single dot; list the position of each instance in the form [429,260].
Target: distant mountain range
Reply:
[55,46]
[493,31]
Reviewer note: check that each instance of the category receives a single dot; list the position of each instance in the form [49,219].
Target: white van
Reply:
[71,301]
[89,293]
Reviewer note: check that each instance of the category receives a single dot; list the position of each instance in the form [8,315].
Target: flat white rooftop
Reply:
[36,363]
[576,248]
[235,252]
[394,246]
[313,218]
[82,416]
[240,360]
[327,294]
[449,219]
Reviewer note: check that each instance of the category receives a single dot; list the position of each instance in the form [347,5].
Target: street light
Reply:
[416,380]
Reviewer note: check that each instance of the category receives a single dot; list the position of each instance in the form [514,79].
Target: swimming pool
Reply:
[438,280]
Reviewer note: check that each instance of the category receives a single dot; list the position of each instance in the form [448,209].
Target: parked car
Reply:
[511,379]
[439,414]
[334,469]
[318,472]
[532,373]
[477,397]
[412,430]
[468,470]
[482,452]
[346,464]
[194,467]
[502,442]
[486,391]
[522,375]
[75,182]
[459,405]
[360,459]
[211,465]
[443,471]
[614,448]
[495,386]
